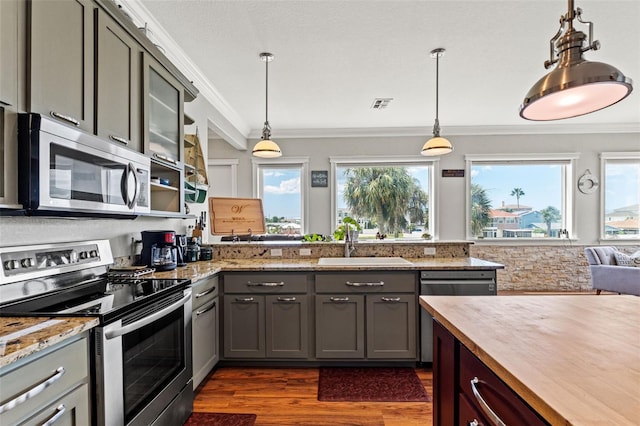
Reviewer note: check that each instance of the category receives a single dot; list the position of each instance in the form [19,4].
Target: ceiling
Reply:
[334,57]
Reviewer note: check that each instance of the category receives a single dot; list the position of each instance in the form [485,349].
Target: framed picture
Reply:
[319,178]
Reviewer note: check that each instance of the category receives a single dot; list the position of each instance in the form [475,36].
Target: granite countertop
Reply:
[203,269]
[23,336]
[573,358]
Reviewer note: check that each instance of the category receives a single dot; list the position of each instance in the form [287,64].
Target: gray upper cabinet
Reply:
[118,90]
[163,113]
[8,53]
[60,71]
[9,83]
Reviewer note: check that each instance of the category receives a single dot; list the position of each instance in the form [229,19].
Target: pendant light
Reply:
[577,86]
[266,148]
[437,145]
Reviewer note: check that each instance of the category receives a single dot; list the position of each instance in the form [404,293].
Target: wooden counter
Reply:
[23,336]
[573,359]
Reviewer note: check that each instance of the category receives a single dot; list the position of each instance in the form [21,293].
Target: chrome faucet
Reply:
[348,242]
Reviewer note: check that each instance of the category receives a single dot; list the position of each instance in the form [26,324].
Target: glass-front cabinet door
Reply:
[163,113]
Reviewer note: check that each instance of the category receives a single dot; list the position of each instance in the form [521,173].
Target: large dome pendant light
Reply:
[576,87]
[437,145]
[266,148]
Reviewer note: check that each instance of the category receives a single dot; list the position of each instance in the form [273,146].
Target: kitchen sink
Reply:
[363,261]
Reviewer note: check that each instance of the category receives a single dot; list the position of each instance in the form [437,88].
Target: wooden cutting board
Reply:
[239,216]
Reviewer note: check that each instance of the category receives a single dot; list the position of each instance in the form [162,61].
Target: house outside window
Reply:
[520,196]
[282,186]
[389,197]
[620,195]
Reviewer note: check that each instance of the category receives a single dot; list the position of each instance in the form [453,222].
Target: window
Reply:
[520,196]
[390,198]
[282,186]
[621,195]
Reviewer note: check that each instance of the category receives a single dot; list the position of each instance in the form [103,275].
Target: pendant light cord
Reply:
[437,82]
[266,96]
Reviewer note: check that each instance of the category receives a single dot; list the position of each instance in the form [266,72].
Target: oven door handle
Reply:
[111,334]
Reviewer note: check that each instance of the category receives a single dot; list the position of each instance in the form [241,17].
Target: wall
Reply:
[547,266]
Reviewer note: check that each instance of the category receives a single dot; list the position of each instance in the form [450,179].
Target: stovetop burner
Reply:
[91,289]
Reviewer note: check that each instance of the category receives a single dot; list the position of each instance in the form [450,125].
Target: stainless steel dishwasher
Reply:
[450,283]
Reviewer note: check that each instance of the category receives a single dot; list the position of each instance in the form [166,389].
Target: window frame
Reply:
[386,161]
[568,193]
[604,157]
[301,163]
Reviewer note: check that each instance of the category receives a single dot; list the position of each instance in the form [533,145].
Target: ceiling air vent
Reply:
[381,103]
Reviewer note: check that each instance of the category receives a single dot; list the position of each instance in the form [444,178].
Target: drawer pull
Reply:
[206,309]
[60,409]
[286,299]
[493,417]
[278,284]
[339,299]
[474,422]
[352,284]
[244,299]
[390,299]
[35,390]
[204,293]
[115,138]
[66,118]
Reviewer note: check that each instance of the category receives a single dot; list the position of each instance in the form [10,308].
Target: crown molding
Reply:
[532,129]
[141,15]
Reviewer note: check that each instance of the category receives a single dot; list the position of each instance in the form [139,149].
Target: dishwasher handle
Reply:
[456,282]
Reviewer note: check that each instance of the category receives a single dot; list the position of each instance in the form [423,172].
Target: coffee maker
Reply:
[159,250]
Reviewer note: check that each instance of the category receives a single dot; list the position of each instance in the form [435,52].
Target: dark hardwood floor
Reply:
[288,396]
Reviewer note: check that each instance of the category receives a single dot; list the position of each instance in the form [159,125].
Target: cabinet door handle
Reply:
[244,299]
[352,284]
[165,158]
[66,118]
[493,417]
[286,299]
[474,422]
[204,293]
[339,299]
[33,391]
[119,139]
[206,309]
[252,284]
[390,299]
[60,409]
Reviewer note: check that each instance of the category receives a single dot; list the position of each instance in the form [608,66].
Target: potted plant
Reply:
[350,225]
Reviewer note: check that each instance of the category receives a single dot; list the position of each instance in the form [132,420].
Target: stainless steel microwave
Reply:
[63,171]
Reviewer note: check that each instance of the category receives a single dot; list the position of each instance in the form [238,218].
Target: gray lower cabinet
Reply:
[118,88]
[57,382]
[60,60]
[366,315]
[205,328]
[266,316]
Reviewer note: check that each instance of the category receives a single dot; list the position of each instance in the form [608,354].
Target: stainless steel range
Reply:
[142,347]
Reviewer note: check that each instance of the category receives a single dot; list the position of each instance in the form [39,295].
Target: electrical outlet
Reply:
[276,252]
[305,252]
[430,251]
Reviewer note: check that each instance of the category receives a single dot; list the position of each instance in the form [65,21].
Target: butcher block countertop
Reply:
[574,359]
[202,269]
[23,336]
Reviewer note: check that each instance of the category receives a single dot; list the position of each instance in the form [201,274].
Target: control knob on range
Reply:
[93,253]
[28,262]
[11,264]
[84,255]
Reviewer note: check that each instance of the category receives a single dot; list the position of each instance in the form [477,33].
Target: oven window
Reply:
[75,175]
[152,357]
